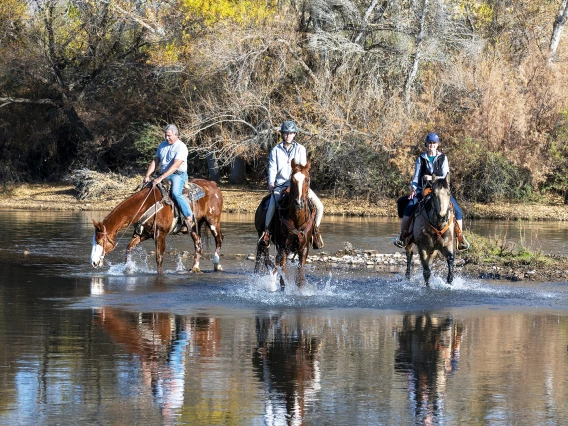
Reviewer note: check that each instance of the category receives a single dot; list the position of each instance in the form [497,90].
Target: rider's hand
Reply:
[146,179]
[412,194]
[427,177]
[270,188]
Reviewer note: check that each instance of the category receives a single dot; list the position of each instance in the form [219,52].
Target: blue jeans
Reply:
[178,180]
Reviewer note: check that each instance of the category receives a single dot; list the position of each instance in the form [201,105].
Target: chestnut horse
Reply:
[291,228]
[433,230]
[156,221]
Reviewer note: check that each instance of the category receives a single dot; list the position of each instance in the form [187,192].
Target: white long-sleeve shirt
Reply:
[280,163]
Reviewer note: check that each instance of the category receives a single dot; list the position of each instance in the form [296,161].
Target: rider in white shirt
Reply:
[279,174]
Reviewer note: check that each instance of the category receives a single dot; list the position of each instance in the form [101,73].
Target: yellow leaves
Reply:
[239,11]
[11,11]
[480,12]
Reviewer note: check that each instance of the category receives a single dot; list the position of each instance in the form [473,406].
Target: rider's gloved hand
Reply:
[270,187]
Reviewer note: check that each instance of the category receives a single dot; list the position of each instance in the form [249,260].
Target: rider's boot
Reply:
[317,240]
[399,241]
[190,223]
[265,238]
[463,244]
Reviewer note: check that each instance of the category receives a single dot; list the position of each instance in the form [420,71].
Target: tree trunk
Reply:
[213,167]
[559,23]
[238,171]
[417,56]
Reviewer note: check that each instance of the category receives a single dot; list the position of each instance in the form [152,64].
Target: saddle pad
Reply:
[194,191]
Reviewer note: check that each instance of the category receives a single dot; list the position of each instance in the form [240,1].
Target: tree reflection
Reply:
[428,354]
[285,361]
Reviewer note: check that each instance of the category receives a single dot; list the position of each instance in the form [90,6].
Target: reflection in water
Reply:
[428,353]
[285,361]
[160,342]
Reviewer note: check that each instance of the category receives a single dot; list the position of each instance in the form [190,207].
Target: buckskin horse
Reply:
[433,230]
[153,217]
[291,228]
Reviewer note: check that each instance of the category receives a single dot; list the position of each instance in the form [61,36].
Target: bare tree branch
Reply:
[8,101]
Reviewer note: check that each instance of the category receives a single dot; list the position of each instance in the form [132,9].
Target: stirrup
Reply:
[317,241]
[399,241]
[463,245]
[190,223]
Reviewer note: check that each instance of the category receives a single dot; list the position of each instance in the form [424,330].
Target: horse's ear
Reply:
[293,163]
[98,225]
[448,179]
[434,178]
[309,163]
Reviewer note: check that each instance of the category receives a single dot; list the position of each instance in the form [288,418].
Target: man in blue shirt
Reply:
[171,157]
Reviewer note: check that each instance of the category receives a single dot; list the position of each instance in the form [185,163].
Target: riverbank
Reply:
[244,199]
[512,263]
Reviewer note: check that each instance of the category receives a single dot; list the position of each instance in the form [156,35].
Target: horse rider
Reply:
[279,174]
[171,157]
[428,164]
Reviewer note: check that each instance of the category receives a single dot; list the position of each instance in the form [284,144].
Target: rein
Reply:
[304,228]
[439,232]
[114,244]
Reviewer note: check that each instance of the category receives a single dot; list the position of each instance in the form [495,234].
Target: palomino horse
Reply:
[155,219]
[433,230]
[291,228]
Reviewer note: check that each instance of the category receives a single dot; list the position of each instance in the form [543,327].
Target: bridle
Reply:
[106,238]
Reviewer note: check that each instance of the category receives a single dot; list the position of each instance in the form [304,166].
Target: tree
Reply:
[557,29]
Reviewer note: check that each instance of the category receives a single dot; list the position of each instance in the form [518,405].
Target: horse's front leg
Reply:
[197,244]
[425,260]
[283,262]
[449,254]
[218,235]
[134,242]
[160,249]
[303,257]
[409,254]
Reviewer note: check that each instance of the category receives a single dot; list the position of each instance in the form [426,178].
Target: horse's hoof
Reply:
[407,275]
[217,267]
[196,270]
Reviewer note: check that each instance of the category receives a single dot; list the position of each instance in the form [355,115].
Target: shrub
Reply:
[485,176]
[356,169]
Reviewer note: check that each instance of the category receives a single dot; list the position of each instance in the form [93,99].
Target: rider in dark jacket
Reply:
[428,164]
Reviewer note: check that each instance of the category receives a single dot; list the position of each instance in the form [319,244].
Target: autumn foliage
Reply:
[90,84]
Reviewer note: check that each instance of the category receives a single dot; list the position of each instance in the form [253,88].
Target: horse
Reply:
[155,218]
[291,230]
[433,230]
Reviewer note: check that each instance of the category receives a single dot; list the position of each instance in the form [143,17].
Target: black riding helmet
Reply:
[288,127]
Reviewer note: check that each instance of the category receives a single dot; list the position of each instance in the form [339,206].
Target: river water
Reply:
[85,346]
